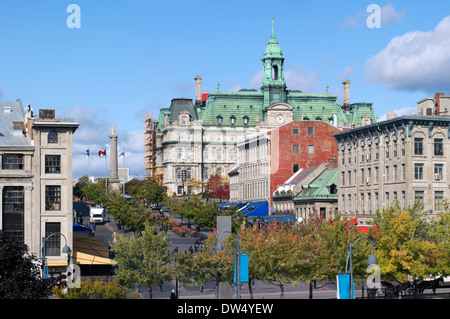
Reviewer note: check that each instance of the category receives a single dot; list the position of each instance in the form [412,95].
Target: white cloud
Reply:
[346,73]
[93,134]
[400,112]
[414,61]
[388,15]
[297,78]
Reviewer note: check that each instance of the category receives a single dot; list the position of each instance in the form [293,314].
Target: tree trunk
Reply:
[250,290]
[281,291]
[217,288]
[310,290]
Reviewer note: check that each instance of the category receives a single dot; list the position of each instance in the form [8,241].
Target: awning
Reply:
[275,219]
[255,209]
[230,205]
[81,228]
[89,250]
[56,263]
[86,259]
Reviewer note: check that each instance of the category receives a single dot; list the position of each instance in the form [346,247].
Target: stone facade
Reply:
[401,160]
[36,180]
[197,139]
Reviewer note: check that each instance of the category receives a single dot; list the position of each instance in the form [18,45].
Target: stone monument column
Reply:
[113,167]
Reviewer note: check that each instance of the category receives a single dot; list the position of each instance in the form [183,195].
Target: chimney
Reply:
[198,91]
[437,99]
[346,92]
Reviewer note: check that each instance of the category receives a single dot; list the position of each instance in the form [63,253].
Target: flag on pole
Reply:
[123,153]
[102,153]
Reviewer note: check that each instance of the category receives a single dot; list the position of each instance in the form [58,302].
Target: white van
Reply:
[97,215]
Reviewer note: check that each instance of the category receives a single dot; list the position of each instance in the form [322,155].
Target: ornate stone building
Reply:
[36,181]
[401,160]
[197,139]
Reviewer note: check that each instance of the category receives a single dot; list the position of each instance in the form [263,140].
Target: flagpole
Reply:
[106,174]
[124,171]
[89,165]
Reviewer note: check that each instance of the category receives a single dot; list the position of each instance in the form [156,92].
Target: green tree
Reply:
[20,272]
[198,268]
[78,188]
[100,192]
[401,254]
[93,289]
[335,238]
[273,254]
[130,213]
[440,235]
[151,191]
[143,261]
[132,187]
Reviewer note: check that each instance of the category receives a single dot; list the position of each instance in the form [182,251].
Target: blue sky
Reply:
[131,57]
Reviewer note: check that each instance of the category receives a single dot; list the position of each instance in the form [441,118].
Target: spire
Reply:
[272,37]
[273,50]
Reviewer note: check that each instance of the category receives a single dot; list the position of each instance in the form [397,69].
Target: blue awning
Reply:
[255,209]
[80,228]
[275,219]
[230,205]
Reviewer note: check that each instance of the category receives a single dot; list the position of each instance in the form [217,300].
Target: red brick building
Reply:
[299,144]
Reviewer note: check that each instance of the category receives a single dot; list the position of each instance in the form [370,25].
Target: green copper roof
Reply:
[318,106]
[226,107]
[273,49]
[160,120]
[361,109]
[321,186]
[245,108]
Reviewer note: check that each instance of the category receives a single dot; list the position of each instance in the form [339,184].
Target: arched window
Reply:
[232,120]
[52,138]
[275,72]
[245,120]
[219,119]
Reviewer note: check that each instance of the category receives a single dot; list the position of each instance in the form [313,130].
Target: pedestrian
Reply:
[173,295]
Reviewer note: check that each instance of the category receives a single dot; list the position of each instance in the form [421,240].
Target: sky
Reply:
[108,63]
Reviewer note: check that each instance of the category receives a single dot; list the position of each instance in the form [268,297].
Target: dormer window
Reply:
[245,120]
[219,120]
[232,120]
[184,118]
[52,138]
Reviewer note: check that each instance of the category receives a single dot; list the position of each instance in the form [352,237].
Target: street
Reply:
[323,290]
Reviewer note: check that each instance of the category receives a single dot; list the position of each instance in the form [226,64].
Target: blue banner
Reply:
[343,287]
[243,268]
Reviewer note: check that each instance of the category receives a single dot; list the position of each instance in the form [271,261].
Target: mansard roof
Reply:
[181,104]
[12,118]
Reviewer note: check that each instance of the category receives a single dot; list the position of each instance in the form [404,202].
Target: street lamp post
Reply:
[372,260]
[65,250]
[219,247]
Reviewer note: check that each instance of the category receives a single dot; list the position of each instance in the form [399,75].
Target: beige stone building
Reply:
[403,160]
[36,181]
